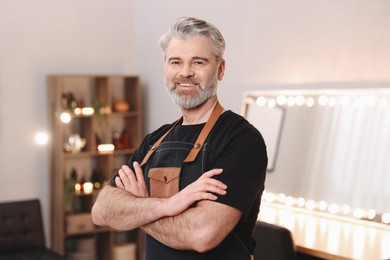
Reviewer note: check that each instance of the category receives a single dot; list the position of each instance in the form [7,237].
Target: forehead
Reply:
[191,47]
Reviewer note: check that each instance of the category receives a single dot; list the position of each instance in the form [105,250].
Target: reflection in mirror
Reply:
[328,149]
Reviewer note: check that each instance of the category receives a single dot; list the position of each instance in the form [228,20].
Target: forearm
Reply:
[121,210]
[199,228]
[175,231]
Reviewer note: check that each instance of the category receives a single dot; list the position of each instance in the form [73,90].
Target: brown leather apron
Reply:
[164,181]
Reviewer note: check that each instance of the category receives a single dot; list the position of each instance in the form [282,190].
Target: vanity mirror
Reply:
[328,149]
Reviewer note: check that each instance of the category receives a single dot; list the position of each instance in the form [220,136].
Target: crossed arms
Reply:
[169,220]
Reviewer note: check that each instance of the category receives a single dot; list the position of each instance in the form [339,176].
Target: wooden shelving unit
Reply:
[70,207]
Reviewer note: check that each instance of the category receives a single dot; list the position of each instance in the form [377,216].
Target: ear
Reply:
[221,70]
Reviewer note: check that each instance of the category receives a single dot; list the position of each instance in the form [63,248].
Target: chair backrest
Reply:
[273,242]
[21,226]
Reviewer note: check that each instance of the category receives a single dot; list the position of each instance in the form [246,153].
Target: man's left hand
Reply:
[133,183]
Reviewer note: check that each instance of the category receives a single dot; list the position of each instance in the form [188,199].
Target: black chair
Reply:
[21,232]
[273,242]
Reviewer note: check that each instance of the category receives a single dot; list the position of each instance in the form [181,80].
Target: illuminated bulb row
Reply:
[66,117]
[332,208]
[322,100]
[87,188]
[87,111]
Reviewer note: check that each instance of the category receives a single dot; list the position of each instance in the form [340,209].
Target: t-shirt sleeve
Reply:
[244,163]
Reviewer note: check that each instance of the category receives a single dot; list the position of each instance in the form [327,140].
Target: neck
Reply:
[199,114]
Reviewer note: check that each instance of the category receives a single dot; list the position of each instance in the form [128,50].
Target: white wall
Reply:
[269,42]
[44,37]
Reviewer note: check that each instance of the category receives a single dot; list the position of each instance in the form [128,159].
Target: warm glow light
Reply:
[333,237]
[271,103]
[299,100]
[87,111]
[310,102]
[333,208]
[371,213]
[281,100]
[310,204]
[330,100]
[358,242]
[386,218]
[346,209]
[322,205]
[261,101]
[310,231]
[65,117]
[281,198]
[385,245]
[301,202]
[323,100]
[289,201]
[77,188]
[41,138]
[290,101]
[105,148]
[88,187]
[97,185]
[77,111]
[358,213]
[268,214]
[269,197]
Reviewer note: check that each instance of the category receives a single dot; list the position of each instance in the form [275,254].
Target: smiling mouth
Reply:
[187,85]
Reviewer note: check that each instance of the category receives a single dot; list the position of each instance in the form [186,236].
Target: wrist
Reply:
[160,207]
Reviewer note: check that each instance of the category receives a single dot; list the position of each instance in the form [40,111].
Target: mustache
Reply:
[186,81]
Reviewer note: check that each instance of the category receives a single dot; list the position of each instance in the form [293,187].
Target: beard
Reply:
[192,99]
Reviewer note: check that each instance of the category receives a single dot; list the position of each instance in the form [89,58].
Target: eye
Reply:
[199,62]
[174,62]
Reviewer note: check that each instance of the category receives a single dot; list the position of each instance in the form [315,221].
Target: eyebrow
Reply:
[173,58]
[200,58]
[193,58]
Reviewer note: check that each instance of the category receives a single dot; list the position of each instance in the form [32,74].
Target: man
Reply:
[196,192]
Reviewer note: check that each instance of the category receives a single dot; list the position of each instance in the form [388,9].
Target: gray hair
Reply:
[186,27]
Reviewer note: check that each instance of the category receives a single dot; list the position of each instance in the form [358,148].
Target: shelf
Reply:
[70,212]
[88,154]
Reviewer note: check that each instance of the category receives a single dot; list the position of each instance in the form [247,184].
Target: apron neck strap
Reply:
[156,144]
[217,111]
[204,133]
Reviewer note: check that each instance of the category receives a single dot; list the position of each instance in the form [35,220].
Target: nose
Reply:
[187,71]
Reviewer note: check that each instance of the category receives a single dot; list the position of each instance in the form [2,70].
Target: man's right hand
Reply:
[202,189]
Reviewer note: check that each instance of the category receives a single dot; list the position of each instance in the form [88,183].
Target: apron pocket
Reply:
[164,182]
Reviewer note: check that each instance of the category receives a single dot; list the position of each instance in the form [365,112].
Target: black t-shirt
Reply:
[239,149]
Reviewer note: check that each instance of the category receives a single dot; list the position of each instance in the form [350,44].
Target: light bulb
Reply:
[41,138]
[65,117]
